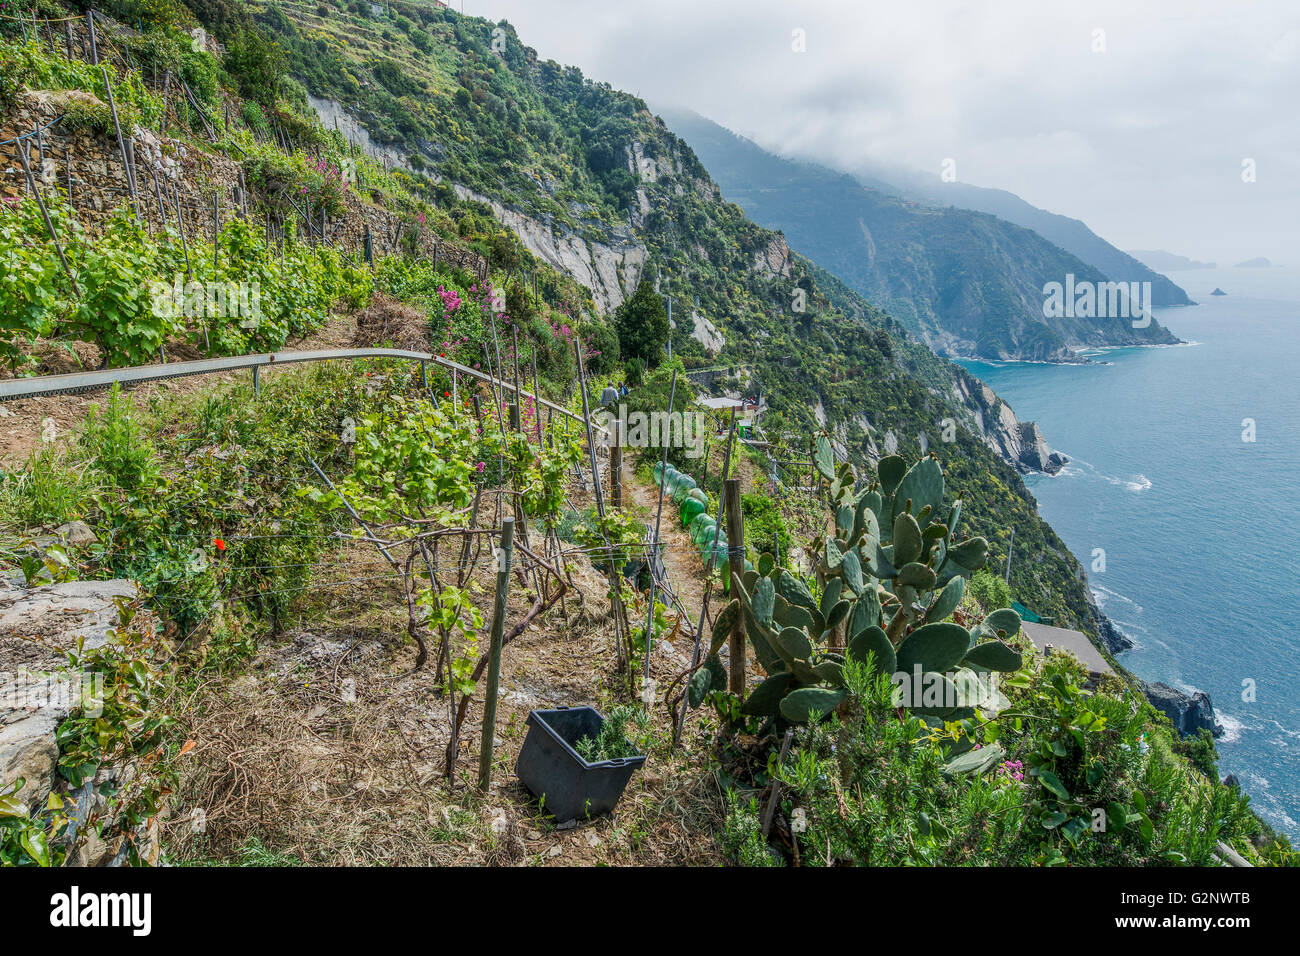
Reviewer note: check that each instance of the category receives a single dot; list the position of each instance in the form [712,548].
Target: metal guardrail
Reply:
[74,382]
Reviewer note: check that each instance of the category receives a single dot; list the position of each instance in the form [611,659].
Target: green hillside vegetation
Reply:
[852,357]
[1072,235]
[565,143]
[230,475]
[970,283]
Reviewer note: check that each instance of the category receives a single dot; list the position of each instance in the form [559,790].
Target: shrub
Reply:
[254,118]
[48,490]
[642,324]
[742,834]
[117,445]
[257,64]
[765,529]
[1201,752]
[652,396]
[604,355]
[91,115]
[31,281]
[872,792]
[990,590]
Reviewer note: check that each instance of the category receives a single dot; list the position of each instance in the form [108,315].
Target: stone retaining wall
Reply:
[88,169]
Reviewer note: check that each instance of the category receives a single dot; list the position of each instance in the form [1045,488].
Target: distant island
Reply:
[1259,262]
[1163,261]
[1218,291]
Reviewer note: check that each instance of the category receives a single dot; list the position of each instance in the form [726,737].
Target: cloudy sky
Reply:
[1135,117]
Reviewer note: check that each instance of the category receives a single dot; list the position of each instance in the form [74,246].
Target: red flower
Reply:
[220,543]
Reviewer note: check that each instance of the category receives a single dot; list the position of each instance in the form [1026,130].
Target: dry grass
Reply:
[388,320]
[330,749]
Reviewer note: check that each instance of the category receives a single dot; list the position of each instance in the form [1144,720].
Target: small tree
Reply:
[642,324]
[257,64]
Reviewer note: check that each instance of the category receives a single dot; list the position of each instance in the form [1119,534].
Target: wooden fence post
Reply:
[736,559]
[494,654]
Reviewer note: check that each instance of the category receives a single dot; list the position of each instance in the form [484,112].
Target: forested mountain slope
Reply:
[969,283]
[1072,235]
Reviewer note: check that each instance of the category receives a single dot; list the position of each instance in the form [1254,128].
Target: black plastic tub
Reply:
[550,767]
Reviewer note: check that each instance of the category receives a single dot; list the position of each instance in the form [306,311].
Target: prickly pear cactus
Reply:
[891,574]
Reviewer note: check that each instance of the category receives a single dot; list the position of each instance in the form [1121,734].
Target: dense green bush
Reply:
[765,530]
[258,64]
[133,292]
[27,63]
[872,791]
[990,590]
[1085,779]
[642,324]
[117,445]
[652,396]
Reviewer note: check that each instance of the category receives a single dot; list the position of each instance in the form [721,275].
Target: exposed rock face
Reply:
[35,624]
[706,333]
[1035,455]
[38,692]
[333,115]
[1188,712]
[95,164]
[1020,443]
[610,270]
[774,258]
[1116,641]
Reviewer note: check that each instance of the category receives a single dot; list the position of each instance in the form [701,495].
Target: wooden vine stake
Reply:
[708,572]
[622,631]
[774,798]
[736,560]
[45,215]
[659,513]
[615,464]
[490,691]
[121,143]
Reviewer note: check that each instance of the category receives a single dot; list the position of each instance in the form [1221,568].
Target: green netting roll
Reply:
[702,525]
[659,472]
[690,508]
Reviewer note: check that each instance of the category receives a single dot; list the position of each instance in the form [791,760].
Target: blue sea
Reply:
[1200,528]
